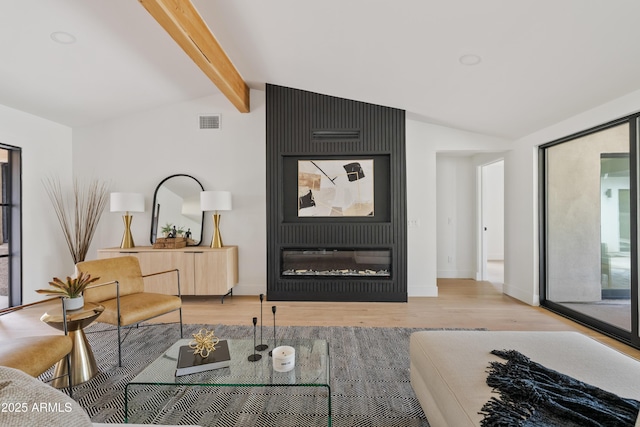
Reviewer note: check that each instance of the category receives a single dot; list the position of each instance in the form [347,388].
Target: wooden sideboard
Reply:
[203,270]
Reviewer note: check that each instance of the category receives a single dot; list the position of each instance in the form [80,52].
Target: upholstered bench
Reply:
[34,355]
[449,368]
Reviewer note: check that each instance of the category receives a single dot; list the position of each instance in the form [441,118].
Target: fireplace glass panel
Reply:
[336,262]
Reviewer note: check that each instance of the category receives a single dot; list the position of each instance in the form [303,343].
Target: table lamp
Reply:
[127,202]
[215,201]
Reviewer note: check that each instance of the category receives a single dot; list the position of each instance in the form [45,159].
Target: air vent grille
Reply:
[210,121]
[334,134]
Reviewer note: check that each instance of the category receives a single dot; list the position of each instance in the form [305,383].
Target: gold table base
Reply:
[83,363]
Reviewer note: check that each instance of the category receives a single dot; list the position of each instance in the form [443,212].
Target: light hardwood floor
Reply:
[460,304]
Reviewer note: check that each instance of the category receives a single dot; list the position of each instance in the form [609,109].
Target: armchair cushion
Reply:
[34,355]
[135,308]
[126,270]
[132,305]
[135,304]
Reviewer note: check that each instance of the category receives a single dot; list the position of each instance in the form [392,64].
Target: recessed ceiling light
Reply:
[63,37]
[470,59]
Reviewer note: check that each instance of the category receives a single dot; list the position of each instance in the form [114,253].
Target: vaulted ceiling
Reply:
[541,61]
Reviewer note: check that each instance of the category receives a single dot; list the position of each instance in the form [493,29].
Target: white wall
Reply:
[46,152]
[137,151]
[424,141]
[521,194]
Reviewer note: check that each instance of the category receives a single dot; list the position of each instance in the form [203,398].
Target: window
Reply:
[589,207]
[10,227]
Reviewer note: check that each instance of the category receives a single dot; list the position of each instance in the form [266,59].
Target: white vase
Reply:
[74,303]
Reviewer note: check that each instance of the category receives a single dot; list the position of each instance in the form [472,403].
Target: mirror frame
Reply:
[154,224]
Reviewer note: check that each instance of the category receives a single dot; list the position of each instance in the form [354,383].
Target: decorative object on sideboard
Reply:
[170,243]
[215,201]
[176,201]
[71,289]
[166,229]
[127,202]
[176,232]
[87,204]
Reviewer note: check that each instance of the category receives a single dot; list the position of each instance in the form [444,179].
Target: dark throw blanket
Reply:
[532,395]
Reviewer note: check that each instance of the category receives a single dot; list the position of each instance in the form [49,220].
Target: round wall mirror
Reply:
[176,203]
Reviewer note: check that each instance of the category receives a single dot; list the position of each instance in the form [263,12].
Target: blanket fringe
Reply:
[532,395]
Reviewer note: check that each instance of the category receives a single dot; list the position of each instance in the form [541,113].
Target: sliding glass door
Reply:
[588,216]
[10,226]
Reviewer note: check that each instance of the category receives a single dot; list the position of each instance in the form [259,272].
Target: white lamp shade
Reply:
[215,201]
[127,202]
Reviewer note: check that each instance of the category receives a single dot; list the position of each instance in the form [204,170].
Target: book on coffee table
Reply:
[189,363]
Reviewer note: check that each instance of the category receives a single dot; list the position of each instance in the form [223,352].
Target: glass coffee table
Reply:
[312,369]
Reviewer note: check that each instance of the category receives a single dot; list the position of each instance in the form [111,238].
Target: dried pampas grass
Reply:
[80,214]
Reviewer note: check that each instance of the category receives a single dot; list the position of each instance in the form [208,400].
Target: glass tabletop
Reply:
[311,367]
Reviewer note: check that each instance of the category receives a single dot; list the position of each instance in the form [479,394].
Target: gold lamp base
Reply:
[127,238]
[216,241]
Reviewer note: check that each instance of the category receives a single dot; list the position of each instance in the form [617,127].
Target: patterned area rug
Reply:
[369,382]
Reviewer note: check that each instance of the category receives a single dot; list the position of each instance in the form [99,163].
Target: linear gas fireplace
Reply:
[369,263]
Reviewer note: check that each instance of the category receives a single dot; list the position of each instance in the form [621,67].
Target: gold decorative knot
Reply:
[204,342]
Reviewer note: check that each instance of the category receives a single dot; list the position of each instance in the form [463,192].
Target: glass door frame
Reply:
[629,337]
[12,183]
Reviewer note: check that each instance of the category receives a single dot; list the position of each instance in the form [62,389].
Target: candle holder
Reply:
[254,357]
[262,346]
[273,310]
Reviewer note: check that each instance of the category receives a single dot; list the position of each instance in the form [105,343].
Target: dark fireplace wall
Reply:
[308,126]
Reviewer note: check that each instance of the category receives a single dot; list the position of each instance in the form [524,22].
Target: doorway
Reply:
[491,223]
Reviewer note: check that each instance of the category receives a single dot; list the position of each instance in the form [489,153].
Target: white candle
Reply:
[284,358]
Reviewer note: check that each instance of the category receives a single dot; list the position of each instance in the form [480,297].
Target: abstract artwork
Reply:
[335,188]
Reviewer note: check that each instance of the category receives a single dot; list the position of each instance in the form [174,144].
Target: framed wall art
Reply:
[335,188]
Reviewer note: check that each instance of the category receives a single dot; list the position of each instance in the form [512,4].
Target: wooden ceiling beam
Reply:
[184,24]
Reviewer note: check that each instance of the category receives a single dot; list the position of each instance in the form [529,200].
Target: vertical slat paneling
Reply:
[291,117]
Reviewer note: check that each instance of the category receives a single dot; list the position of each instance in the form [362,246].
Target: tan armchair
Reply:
[121,293]
[34,355]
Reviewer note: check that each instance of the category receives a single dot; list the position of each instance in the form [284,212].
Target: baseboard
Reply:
[250,289]
[521,295]
[456,274]
[423,291]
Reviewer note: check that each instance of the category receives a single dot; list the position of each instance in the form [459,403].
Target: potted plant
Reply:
[166,229]
[71,289]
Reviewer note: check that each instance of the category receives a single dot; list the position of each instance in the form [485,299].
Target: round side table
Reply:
[83,364]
